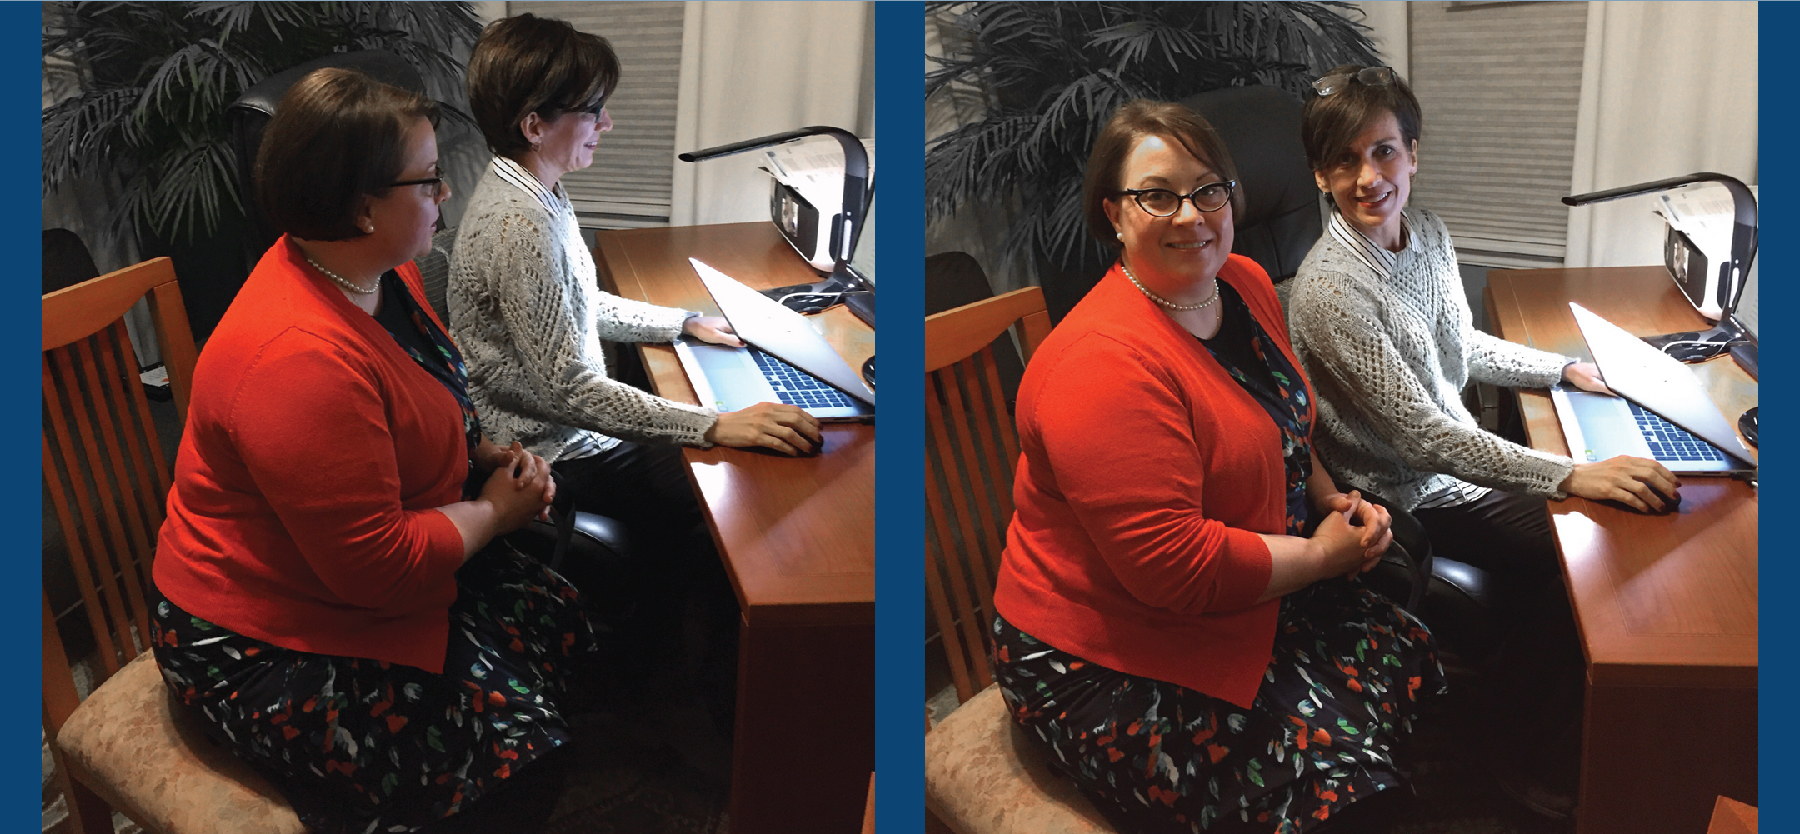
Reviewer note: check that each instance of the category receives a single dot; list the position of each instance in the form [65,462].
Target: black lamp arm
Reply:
[856,175]
[1744,225]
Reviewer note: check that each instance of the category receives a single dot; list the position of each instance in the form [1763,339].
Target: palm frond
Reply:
[1051,74]
[157,78]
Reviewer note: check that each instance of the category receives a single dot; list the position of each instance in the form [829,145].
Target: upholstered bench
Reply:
[127,743]
[983,777]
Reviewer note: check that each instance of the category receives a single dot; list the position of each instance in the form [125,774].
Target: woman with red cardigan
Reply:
[334,607]
[1179,623]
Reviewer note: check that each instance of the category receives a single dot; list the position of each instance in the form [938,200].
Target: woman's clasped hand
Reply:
[518,486]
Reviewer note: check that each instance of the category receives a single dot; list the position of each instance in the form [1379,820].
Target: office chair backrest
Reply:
[953,279]
[971,451]
[105,473]
[67,261]
[1261,129]
[1281,218]
[251,113]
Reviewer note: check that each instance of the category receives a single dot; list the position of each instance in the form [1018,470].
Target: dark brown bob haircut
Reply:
[1329,124]
[338,136]
[530,64]
[1133,121]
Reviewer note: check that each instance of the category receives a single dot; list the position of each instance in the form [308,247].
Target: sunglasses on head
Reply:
[1369,76]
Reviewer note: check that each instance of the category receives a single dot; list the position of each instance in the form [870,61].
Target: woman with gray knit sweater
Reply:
[1382,329]
[1381,325]
[530,318]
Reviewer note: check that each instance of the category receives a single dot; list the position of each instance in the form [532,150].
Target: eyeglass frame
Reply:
[437,183]
[595,109]
[1376,77]
[1137,197]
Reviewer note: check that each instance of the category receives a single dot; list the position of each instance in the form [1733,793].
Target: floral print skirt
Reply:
[1342,687]
[360,745]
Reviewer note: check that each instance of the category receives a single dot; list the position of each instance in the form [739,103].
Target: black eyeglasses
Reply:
[436,183]
[595,108]
[1161,202]
[1371,76]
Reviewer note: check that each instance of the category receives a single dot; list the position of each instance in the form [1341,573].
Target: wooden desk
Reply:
[1666,604]
[798,538]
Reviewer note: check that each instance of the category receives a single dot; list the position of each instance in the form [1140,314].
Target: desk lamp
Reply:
[1699,346]
[843,283]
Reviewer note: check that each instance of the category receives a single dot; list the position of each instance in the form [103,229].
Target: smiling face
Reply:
[404,218]
[566,143]
[1373,179]
[1185,248]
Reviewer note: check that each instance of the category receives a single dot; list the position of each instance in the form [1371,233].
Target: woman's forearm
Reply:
[478,521]
[1319,485]
[1294,563]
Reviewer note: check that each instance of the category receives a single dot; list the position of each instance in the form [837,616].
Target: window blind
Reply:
[628,185]
[1499,84]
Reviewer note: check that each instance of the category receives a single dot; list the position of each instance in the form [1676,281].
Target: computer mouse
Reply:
[1747,425]
[1669,504]
[868,372]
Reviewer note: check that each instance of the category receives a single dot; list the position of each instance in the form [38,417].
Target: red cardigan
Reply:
[1146,472]
[314,455]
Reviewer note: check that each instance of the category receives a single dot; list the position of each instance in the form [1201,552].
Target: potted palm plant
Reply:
[153,82]
[1048,75]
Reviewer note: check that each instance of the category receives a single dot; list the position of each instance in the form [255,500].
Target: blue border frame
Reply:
[900,510]
[900,480]
[1778,617]
[21,65]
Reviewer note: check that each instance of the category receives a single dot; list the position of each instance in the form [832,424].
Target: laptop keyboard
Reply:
[796,387]
[1671,442]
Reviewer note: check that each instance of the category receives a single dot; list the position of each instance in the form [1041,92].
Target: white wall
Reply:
[751,69]
[1387,20]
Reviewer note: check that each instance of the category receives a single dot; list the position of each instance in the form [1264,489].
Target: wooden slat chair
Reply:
[125,747]
[981,775]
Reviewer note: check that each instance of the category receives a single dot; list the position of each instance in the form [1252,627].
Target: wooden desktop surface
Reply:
[1666,604]
[798,533]
[1664,600]
[797,536]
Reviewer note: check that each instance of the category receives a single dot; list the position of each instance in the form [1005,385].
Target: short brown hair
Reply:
[530,64]
[1329,124]
[1135,120]
[337,136]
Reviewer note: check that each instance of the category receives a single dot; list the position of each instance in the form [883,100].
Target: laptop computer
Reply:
[1663,411]
[784,359]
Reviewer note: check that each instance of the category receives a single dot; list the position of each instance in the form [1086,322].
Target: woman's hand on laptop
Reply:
[1639,483]
[784,428]
[1586,376]
[712,329]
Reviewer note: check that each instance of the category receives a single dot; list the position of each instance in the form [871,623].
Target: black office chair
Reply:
[953,279]
[66,260]
[1280,221]
[1456,600]
[251,113]
[1261,128]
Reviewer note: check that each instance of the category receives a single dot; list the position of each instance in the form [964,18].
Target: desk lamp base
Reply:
[842,287]
[1700,345]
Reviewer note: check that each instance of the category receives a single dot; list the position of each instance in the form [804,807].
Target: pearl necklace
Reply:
[341,281]
[1183,308]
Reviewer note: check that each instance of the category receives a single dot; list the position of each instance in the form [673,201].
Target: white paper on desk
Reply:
[815,168]
[1705,214]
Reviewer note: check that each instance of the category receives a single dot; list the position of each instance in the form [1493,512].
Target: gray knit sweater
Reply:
[529,317]
[1388,342]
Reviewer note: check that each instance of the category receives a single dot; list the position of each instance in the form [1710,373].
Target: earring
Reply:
[1119,235]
